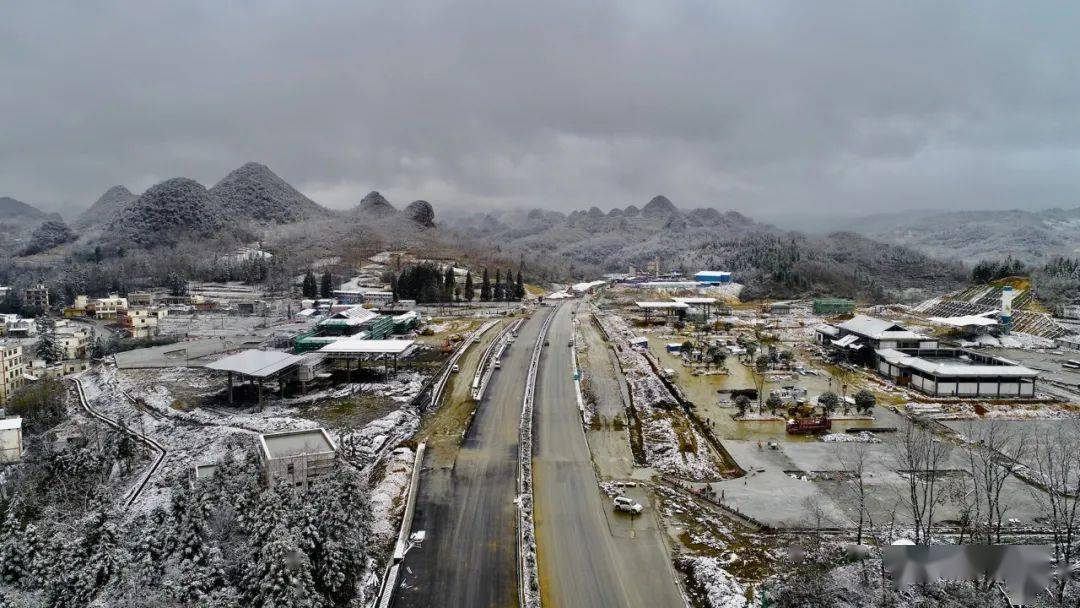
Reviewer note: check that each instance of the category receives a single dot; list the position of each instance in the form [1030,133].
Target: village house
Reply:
[15,327]
[141,322]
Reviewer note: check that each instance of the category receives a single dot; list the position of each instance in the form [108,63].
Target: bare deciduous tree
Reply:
[993,454]
[853,460]
[1056,457]
[920,457]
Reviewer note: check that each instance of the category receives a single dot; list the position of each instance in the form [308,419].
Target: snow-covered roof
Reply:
[7,424]
[587,286]
[662,305]
[828,330]
[296,443]
[359,346]
[956,367]
[353,315]
[877,329]
[712,273]
[558,295]
[846,341]
[695,301]
[983,320]
[256,363]
[670,284]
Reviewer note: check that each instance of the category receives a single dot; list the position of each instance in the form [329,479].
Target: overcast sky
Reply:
[762,107]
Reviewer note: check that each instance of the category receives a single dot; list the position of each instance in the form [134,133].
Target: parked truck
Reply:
[808,426]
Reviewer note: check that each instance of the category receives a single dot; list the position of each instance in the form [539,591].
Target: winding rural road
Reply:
[590,556]
[468,558]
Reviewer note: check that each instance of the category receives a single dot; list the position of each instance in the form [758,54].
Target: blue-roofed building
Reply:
[713,277]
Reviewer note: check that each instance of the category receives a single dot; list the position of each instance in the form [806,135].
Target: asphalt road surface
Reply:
[468,558]
[590,556]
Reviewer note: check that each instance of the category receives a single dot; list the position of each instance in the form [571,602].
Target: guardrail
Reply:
[528,574]
[494,351]
[444,374]
[137,490]
[393,569]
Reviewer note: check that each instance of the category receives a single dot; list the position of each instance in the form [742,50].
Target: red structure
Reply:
[807,426]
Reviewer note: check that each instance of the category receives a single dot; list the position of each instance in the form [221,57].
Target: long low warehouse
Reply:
[945,372]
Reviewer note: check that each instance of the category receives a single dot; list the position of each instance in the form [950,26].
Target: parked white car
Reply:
[456,368]
[623,503]
[498,364]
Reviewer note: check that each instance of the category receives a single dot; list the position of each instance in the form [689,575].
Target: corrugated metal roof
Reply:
[960,368]
[876,328]
[256,363]
[661,305]
[354,346]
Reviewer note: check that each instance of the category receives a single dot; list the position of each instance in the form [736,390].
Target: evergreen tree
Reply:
[519,288]
[326,285]
[11,570]
[11,304]
[497,287]
[103,554]
[424,283]
[177,284]
[470,290]
[509,290]
[310,287]
[449,285]
[48,346]
[97,349]
[281,575]
[485,287]
[343,526]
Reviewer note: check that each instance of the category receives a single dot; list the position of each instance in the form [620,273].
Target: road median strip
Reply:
[528,573]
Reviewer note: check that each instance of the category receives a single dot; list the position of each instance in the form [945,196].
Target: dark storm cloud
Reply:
[764,107]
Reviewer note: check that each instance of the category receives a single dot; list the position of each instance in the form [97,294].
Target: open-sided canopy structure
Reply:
[256,363]
[359,349]
[257,366]
[350,346]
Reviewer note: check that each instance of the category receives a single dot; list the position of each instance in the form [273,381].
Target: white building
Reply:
[296,457]
[11,444]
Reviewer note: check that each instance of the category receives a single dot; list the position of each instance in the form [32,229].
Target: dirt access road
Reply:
[590,556]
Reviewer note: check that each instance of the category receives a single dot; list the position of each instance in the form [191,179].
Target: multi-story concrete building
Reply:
[12,368]
[14,326]
[296,457]
[36,296]
[140,298]
[141,322]
[11,443]
[75,339]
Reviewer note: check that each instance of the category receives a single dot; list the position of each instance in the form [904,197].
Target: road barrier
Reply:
[137,490]
[494,351]
[528,574]
[444,374]
[393,569]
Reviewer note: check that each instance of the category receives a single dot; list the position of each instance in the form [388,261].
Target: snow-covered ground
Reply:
[387,496]
[194,436]
[681,452]
[721,590]
[863,437]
